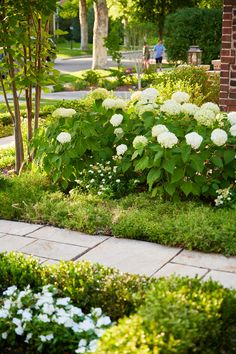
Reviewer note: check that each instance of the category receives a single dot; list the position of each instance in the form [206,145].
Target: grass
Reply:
[189,224]
[71,49]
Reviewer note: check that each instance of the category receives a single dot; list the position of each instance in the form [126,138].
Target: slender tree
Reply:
[24,42]
[100,31]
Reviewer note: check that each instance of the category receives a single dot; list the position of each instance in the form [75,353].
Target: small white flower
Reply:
[10,291]
[93,345]
[4,313]
[103,321]
[46,338]
[19,330]
[116,120]
[121,149]
[80,350]
[63,112]
[232,118]
[97,311]
[211,106]
[233,130]
[219,137]
[180,97]
[140,141]
[136,96]
[82,343]
[17,322]
[118,131]
[64,137]
[158,129]
[117,180]
[64,300]
[194,140]
[4,335]
[171,107]
[99,192]
[26,315]
[167,140]
[28,337]
[43,318]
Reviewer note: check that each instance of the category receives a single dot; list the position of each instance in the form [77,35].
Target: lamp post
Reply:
[71,41]
[194,55]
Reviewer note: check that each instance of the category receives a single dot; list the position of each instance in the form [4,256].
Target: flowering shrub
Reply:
[46,323]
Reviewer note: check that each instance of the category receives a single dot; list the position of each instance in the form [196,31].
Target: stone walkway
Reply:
[50,245]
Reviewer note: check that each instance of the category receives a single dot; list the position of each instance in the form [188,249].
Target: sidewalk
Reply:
[50,245]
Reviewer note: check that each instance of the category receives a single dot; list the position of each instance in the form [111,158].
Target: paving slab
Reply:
[66,236]
[131,256]
[206,260]
[228,280]
[14,243]
[181,270]
[17,228]
[53,250]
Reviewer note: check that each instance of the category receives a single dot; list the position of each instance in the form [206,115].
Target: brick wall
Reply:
[228,58]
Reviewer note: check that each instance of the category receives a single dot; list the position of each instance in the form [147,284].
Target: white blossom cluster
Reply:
[63,112]
[189,108]
[99,94]
[232,118]
[142,107]
[223,195]
[167,140]
[232,130]
[64,137]
[205,117]
[136,96]
[37,322]
[211,106]
[121,149]
[158,129]
[219,137]
[118,131]
[114,103]
[140,141]
[171,107]
[116,120]
[194,140]
[180,97]
[149,95]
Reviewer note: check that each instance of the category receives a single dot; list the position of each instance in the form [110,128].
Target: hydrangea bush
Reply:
[43,322]
[174,146]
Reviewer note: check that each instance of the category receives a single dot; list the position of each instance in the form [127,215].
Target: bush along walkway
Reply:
[51,245]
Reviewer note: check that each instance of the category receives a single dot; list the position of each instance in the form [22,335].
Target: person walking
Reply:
[146,56]
[158,54]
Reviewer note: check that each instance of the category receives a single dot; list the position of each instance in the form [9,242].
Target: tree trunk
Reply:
[83,24]
[126,36]
[100,31]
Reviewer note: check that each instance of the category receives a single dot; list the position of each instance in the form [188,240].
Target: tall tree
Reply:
[25,46]
[100,31]
[156,10]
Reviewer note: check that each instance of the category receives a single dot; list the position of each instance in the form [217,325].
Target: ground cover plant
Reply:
[149,315]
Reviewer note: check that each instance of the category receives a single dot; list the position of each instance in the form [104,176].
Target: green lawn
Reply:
[71,49]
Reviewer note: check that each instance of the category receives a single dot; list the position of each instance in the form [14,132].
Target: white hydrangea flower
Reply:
[211,106]
[158,129]
[118,131]
[10,290]
[99,94]
[121,149]
[149,95]
[110,103]
[180,97]
[189,108]
[233,130]
[219,137]
[116,120]
[63,112]
[4,335]
[64,137]
[232,118]
[167,140]
[194,140]
[205,117]
[140,141]
[171,107]
[147,107]
[136,96]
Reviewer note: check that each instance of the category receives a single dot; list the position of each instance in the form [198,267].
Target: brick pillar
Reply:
[228,58]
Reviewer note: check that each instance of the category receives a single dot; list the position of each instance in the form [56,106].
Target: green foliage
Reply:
[113,42]
[7,158]
[91,77]
[116,293]
[178,316]
[195,26]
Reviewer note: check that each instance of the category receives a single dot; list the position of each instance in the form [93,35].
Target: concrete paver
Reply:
[205,260]
[228,280]
[14,243]
[181,270]
[53,250]
[131,256]
[17,228]
[66,236]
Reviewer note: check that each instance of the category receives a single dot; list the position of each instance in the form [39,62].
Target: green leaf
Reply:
[186,187]
[125,166]
[177,175]
[229,156]
[158,156]
[217,161]
[142,163]
[135,154]
[185,153]
[169,165]
[170,189]
[153,175]
[197,163]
